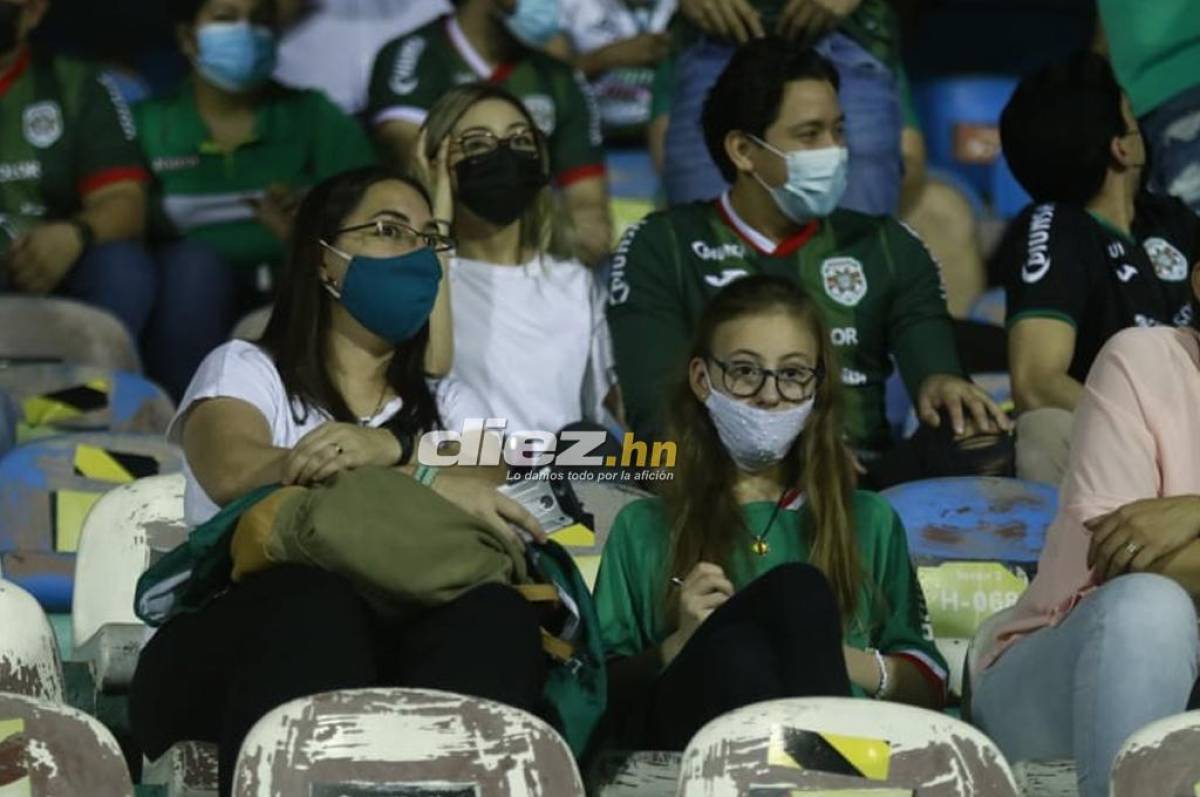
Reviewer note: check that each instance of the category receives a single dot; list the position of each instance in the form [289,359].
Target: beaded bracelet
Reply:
[881,692]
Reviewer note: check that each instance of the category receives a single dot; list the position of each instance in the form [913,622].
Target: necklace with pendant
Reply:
[759,546]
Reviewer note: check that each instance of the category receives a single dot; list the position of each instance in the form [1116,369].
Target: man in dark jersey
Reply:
[72,183]
[1092,254]
[774,126]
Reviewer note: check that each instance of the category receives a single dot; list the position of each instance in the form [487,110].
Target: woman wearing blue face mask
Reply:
[231,152]
[761,573]
[338,381]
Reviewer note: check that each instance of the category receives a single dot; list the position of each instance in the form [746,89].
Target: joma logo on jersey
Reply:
[1037,263]
[404,79]
[718,253]
[726,276]
[844,280]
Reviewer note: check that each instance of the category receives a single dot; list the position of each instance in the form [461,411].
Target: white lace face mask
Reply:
[755,438]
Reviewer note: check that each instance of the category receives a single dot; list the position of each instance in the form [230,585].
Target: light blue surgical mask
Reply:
[391,297]
[816,180]
[235,56]
[534,22]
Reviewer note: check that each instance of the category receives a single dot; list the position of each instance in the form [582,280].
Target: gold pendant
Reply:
[760,547]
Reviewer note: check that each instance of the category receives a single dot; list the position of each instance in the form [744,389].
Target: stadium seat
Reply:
[603,501]
[633,185]
[404,741]
[29,663]
[1159,759]
[51,750]
[961,116]
[807,744]
[1046,778]
[44,329]
[989,308]
[124,532]
[641,773]
[251,326]
[46,489]
[975,541]
[64,397]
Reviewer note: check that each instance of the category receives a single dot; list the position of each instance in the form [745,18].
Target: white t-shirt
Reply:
[242,370]
[622,95]
[531,342]
[334,47]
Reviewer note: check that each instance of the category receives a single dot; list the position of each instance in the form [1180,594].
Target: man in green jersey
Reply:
[774,126]
[71,179]
[496,41]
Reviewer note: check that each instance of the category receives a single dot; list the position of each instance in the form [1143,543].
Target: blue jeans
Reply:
[870,99]
[119,277]
[1172,133]
[198,300]
[1124,657]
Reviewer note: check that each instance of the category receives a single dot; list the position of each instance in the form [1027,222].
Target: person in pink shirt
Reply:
[1105,639]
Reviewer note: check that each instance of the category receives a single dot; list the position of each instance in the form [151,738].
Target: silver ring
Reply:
[1133,548]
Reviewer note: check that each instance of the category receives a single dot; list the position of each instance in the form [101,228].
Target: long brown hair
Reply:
[543,227]
[299,326]
[704,514]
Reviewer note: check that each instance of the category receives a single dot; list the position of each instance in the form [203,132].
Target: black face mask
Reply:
[499,187]
[10,19]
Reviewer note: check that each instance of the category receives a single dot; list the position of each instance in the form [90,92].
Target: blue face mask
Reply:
[391,297]
[816,180]
[534,22]
[235,56]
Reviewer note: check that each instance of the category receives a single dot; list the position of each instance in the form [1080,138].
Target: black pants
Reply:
[295,631]
[778,637]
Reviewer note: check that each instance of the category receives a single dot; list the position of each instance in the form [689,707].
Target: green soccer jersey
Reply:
[879,288]
[207,194]
[65,132]
[890,616]
[412,72]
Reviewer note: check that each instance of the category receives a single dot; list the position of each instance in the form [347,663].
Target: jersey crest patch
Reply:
[844,280]
[43,123]
[1169,263]
[541,108]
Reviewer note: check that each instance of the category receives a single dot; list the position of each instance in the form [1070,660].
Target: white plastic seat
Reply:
[1159,758]
[29,661]
[402,740]
[122,534]
[47,749]
[56,329]
[809,743]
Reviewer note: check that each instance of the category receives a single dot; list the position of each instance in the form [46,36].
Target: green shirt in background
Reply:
[891,613]
[65,131]
[1154,46]
[205,194]
[414,71]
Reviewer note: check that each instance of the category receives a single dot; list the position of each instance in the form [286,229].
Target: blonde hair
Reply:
[544,226]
